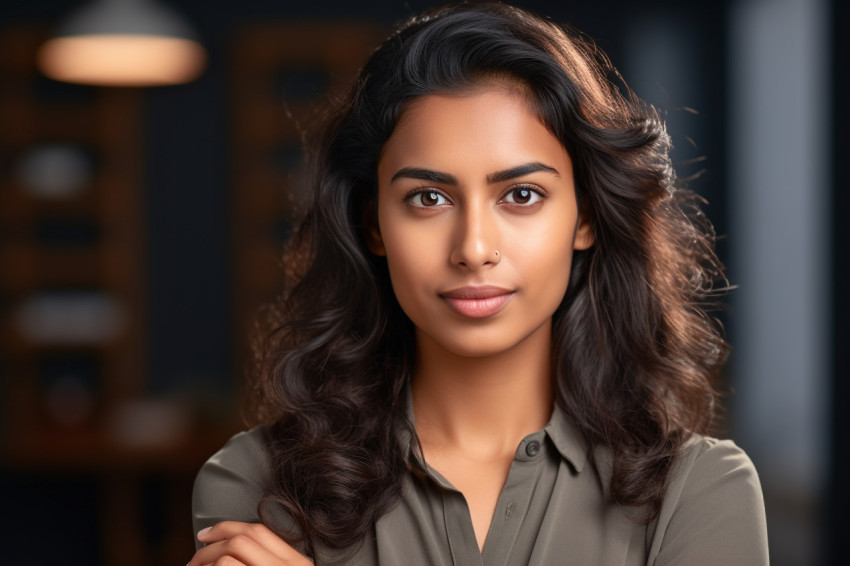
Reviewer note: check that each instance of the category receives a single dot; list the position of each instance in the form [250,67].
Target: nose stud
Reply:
[496,256]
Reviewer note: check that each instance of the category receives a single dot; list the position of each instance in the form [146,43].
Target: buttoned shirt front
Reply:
[553,509]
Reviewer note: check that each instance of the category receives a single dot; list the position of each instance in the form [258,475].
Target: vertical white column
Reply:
[779,246]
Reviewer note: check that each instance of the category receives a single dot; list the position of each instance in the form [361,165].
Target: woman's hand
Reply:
[231,543]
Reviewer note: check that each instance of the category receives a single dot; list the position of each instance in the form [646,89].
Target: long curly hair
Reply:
[635,350]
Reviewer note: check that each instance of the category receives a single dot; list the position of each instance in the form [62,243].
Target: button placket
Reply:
[459,531]
[514,501]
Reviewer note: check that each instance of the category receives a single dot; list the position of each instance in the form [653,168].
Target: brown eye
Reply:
[427,199]
[430,198]
[523,196]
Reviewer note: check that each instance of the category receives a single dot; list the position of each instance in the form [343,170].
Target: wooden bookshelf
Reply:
[72,241]
[72,306]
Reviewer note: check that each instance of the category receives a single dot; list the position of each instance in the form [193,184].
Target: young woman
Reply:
[495,349]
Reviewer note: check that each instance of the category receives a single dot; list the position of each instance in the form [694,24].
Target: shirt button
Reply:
[532,448]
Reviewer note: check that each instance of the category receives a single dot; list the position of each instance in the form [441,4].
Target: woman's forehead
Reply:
[479,132]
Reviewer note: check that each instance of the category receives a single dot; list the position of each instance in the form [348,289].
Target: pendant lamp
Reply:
[123,43]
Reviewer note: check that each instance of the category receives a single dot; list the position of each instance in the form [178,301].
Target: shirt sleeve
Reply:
[231,483]
[713,514]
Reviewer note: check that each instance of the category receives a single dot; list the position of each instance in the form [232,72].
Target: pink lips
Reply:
[477,302]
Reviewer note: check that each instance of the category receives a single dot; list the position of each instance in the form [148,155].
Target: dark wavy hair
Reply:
[635,352]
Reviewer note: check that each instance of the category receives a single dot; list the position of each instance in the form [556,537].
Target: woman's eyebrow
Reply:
[425,175]
[497,177]
[519,171]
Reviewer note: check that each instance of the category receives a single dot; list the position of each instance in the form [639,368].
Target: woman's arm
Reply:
[231,483]
[224,508]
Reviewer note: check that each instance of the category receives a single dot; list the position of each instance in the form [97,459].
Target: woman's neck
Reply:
[486,404]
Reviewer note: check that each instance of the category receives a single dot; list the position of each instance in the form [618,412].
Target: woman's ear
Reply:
[584,233]
[371,231]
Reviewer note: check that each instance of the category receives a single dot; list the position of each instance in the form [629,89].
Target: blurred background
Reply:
[141,228]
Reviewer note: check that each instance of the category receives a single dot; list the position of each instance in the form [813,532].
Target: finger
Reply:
[257,532]
[240,550]
[228,529]
[226,561]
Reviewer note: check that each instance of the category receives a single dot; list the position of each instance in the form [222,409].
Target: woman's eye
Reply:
[523,196]
[427,199]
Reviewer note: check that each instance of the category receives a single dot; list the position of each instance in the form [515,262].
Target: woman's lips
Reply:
[477,302]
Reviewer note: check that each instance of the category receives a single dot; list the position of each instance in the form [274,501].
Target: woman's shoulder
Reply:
[717,470]
[713,509]
[233,481]
[242,453]
[705,455]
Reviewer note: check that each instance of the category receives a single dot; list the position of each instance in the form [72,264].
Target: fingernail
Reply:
[203,532]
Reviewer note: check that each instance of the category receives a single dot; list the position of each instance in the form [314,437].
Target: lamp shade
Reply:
[123,43]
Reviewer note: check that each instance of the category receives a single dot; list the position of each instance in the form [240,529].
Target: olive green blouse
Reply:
[552,509]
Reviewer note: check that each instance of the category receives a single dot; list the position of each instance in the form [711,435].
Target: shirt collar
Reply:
[559,429]
[566,439]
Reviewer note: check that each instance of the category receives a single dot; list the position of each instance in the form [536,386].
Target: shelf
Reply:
[26,266]
[94,450]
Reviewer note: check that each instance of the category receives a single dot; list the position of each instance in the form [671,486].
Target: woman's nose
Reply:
[476,238]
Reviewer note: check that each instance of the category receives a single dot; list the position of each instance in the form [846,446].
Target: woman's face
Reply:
[478,220]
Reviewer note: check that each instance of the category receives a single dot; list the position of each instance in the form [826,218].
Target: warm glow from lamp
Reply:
[122,60]
[123,43]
